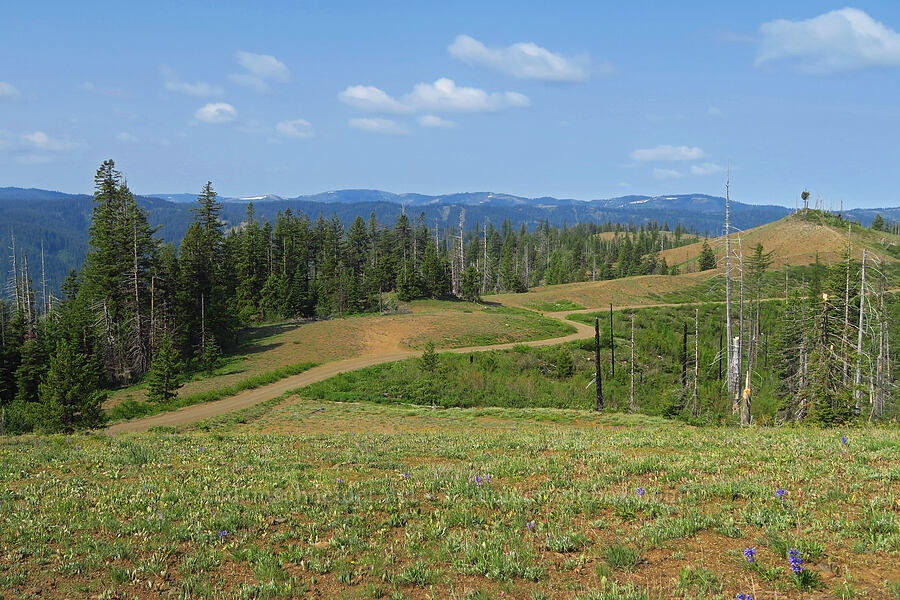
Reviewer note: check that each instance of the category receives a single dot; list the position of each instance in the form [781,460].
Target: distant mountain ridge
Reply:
[61,220]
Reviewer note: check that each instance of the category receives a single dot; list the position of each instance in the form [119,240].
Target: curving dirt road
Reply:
[198,412]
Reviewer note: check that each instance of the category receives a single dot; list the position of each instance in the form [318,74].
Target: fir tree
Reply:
[707,259]
[69,393]
[164,378]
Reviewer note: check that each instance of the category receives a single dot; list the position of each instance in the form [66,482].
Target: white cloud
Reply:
[441,96]
[199,89]
[666,174]
[706,168]
[261,69]
[216,112]
[840,40]
[434,121]
[298,128]
[367,97]
[124,136]
[8,91]
[39,140]
[667,153]
[264,66]
[525,60]
[444,95]
[377,125]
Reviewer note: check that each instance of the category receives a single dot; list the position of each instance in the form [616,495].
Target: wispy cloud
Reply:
[199,89]
[526,60]
[666,174]
[8,91]
[435,121]
[89,87]
[215,113]
[441,96]
[127,138]
[259,71]
[836,41]
[706,168]
[38,140]
[378,125]
[667,153]
[298,128]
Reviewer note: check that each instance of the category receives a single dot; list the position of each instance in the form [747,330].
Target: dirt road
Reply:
[198,412]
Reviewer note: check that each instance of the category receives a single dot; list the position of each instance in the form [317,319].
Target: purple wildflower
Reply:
[780,493]
[529,524]
[750,553]
[641,492]
[406,476]
[796,561]
[743,597]
[478,480]
[222,534]
[844,440]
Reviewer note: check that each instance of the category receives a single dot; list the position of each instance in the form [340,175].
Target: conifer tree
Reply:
[707,258]
[70,397]
[164,378]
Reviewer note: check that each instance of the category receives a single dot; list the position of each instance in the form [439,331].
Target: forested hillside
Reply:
[59,222]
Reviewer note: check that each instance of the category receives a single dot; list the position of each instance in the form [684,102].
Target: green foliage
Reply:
[707,259]
[565,368]
[429,358]
[165,374]
[69,393]
[210,355]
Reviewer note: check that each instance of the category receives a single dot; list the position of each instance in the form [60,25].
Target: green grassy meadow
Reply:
[307,498]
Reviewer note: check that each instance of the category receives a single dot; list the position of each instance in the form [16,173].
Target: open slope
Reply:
[796,240]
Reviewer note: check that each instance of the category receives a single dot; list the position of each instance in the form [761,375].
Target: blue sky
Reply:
[584,100]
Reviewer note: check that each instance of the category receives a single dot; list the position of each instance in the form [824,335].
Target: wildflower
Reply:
[406,476]
[530,525]
[796,561]
[743,597]
[641,492]
[222,534]
[478,480]
[780,493]
[340,480]
[750,553]
[844,440]
[78,447]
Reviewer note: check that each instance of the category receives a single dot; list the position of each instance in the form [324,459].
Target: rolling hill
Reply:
[61,220]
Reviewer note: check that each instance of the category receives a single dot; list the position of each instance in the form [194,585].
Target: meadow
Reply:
[392,501]
[273,351]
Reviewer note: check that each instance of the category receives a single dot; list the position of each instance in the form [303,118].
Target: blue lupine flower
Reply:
[796,561]
[641,492]
[750,553]
[780,493]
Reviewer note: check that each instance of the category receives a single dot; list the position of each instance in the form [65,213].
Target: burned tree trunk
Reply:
[599,378]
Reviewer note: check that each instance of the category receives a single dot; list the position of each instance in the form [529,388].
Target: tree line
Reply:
[141,308]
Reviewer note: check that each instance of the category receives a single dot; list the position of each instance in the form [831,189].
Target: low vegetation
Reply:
[393,501]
